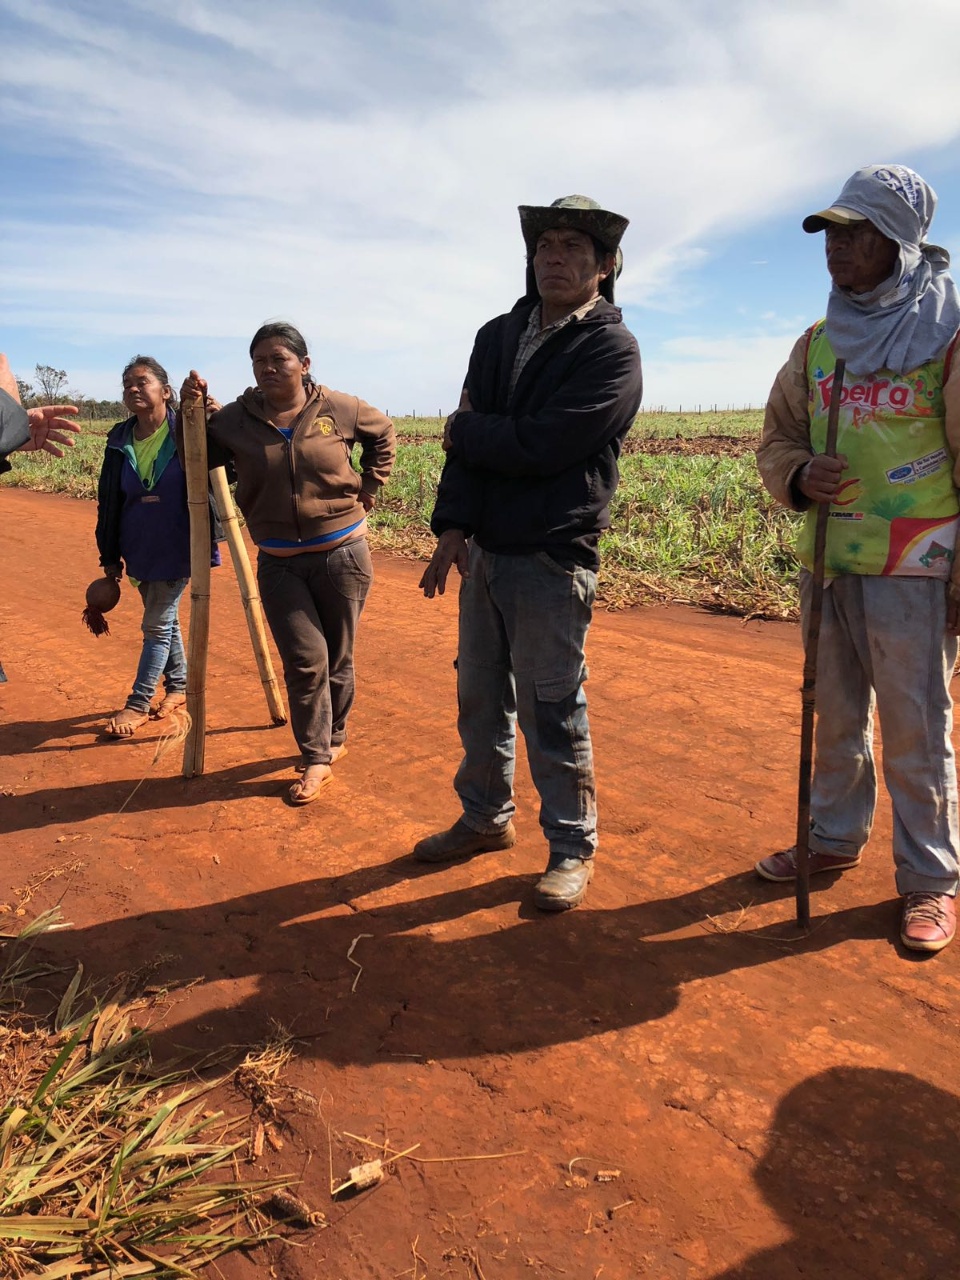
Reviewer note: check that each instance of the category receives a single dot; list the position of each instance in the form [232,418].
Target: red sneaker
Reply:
[929,921]
[781,867]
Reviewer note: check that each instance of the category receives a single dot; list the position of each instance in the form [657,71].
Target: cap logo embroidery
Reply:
[902,181]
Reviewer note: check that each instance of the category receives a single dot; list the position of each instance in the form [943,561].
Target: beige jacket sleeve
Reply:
[785,442]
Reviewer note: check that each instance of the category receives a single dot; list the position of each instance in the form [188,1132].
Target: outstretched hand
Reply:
[451,550]
[50,431]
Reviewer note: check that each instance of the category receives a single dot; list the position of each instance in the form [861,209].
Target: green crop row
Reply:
[697,527]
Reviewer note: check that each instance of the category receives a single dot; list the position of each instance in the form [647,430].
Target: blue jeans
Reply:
[162,653]
[523,625]
[884,645]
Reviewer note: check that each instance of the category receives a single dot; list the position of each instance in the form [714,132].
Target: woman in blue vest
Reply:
[143,526]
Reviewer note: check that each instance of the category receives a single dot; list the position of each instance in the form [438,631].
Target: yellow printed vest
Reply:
[896,511]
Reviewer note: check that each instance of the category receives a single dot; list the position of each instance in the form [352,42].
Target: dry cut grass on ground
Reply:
[108,1168]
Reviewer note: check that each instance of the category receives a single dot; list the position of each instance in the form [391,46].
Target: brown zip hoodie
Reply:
[307,487]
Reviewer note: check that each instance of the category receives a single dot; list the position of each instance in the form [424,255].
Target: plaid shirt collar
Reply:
[533,337]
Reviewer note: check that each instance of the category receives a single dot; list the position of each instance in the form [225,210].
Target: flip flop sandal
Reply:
[297,798]
[130,726]
[176,701]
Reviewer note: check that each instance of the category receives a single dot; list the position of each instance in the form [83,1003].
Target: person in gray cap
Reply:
[551,390]
[891,609]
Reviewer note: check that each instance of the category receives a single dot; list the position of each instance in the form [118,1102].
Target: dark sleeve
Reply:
[458,499]
[14,427]
[588,409]
[459,492]
[109,503]
[218,455]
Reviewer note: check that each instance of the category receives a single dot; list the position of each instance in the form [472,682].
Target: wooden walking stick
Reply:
[198,505]
[811,645]
[248,594]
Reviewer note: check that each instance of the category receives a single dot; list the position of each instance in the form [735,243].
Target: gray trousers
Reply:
[523,624]
[884,645]
[312,603]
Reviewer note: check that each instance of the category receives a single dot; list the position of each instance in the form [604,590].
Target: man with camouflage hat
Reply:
[552,388]
[891,607]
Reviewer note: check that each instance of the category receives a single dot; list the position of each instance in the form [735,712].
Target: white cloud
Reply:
[701,372]
[359,171]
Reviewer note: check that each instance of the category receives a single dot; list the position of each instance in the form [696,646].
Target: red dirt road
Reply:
[776,1106]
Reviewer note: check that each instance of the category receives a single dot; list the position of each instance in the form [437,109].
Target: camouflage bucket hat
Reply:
[578,213]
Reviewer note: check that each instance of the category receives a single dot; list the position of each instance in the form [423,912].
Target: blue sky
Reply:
[178,171]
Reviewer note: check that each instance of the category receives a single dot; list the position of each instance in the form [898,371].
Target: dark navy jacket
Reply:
[536,471]
[147,530]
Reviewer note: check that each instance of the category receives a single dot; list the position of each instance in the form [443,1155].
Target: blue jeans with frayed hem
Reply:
[162,653]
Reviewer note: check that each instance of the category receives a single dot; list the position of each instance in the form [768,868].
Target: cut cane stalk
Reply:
[198,506]
[249,594]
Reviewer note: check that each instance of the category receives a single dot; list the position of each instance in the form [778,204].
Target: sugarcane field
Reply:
[245,1036]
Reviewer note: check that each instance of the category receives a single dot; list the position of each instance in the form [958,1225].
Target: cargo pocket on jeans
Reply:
[557,688]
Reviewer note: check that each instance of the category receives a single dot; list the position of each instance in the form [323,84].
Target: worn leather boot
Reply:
[564,884]
[461,841]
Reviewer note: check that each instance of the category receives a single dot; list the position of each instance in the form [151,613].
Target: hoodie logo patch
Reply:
[324,426]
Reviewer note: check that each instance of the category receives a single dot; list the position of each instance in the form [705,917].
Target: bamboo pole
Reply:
[249,594]
[811,646]
[198,505]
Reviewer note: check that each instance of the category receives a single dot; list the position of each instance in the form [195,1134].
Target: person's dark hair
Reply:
[158,371]
[601,250]
[290,337]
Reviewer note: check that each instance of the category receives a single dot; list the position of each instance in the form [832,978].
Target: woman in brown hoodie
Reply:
[291,442]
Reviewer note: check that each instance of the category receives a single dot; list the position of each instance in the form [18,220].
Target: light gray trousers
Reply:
[883,645]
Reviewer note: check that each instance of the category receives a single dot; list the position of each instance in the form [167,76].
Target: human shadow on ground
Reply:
[861,1165]
[40,737]
[432,986]
[21,737]
[88,800]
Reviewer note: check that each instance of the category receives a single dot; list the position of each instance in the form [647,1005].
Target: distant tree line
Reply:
[50,386]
